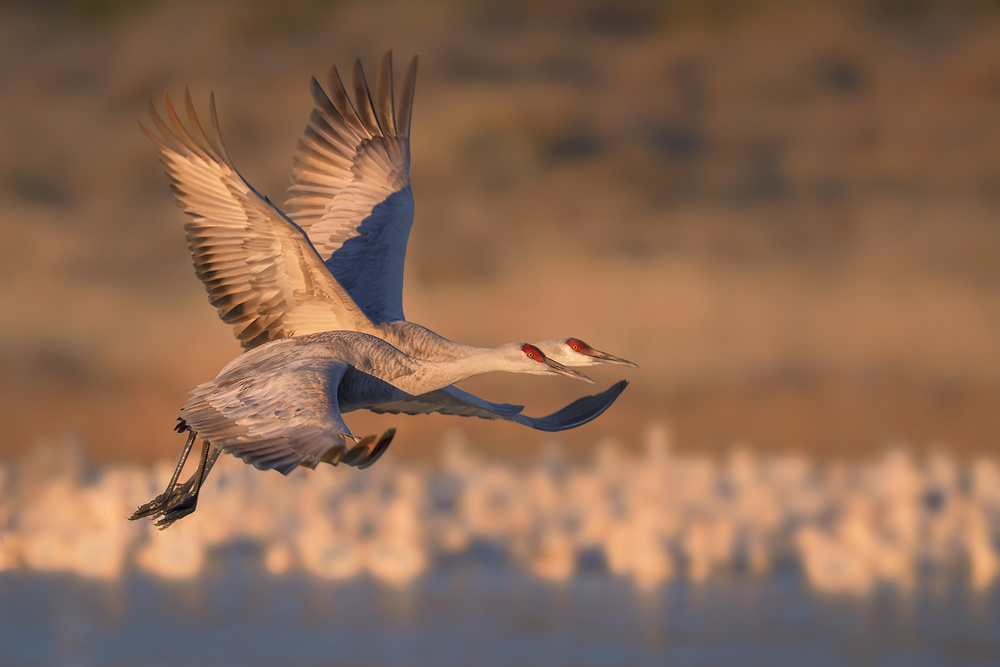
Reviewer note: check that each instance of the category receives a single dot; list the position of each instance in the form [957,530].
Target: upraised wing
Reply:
[454,401]
[259,268]
[350,187]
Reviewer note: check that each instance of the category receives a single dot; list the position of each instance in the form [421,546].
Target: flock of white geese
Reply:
[314,294]
[649,518]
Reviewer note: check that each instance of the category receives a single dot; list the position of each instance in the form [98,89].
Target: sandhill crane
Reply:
[354,206]
[574,352]
[280,405]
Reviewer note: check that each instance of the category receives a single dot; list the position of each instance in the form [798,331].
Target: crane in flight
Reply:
[338,265]
[352,204]
[281,405]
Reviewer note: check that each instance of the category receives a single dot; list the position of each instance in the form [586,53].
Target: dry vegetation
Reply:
[785,212]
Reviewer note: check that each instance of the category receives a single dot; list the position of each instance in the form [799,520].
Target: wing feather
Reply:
[363,101]
[275,416]
[259,268]
[454,401]
[350,188]
[386,105]
[406,99]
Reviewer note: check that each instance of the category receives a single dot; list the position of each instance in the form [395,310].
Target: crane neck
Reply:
[422,343]
[425,376]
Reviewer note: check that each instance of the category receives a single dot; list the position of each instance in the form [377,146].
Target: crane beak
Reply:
[556,367]
[610,358]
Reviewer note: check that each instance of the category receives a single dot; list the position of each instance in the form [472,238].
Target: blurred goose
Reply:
[280,405]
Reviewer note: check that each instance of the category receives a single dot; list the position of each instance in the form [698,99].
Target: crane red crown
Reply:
[578,345]
[533,352]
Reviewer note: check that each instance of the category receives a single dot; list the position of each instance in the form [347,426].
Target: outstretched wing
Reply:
[454,401]
[350,187]
[449,401]
[577,413]
[258,267]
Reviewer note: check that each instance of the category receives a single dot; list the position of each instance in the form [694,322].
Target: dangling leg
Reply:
[184,488]
[156,505]
[213,456]
[187,501]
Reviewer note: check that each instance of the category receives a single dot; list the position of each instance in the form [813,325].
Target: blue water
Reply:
[483,613]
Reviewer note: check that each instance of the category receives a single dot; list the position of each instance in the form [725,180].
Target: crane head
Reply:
[575,352]
[533,353]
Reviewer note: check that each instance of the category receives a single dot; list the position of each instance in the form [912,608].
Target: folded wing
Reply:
[273,417]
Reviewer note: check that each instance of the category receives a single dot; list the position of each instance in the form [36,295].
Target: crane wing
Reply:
[454,401]
[577,413]
[350,187]
[280,416]
[449,401]
[258,267]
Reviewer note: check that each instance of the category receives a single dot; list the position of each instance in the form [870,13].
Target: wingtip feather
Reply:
[406,93]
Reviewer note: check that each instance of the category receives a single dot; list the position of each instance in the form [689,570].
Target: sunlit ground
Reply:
[761,559]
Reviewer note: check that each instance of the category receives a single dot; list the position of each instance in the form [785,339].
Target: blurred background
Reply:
[784,212]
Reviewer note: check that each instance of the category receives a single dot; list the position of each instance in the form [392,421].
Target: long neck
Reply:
[422,343]
[425,376]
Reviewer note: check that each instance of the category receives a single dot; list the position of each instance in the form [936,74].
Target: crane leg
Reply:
[184,488]
[184,500]
[155,506]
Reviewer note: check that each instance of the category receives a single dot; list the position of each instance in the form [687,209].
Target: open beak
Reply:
[566,370]
[610,358]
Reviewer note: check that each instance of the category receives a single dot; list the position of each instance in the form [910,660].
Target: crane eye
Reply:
[577,345]
[532,352]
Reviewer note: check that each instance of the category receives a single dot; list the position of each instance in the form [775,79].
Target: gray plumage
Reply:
[280,405]
[454,401]
[337,263]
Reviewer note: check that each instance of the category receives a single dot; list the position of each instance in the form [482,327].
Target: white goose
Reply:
[352,205]
[280,405]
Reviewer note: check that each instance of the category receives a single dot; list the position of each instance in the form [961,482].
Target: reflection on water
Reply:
[624,560]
